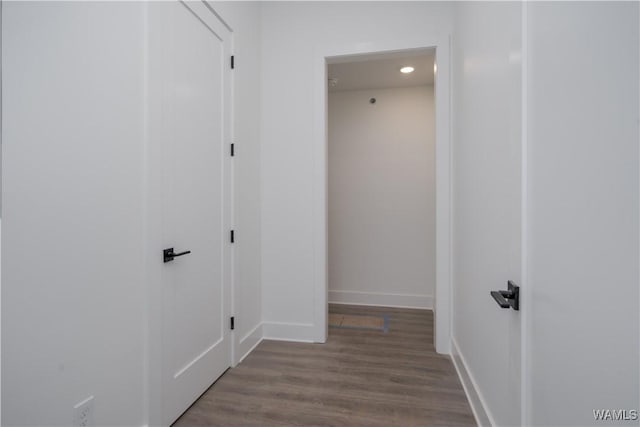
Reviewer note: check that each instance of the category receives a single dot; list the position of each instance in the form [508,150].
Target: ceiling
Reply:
[381,71]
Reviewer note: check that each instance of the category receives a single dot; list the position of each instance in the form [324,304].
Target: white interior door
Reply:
[488,199]
[196,195]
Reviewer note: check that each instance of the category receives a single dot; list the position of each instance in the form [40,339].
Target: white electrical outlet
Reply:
[83,413]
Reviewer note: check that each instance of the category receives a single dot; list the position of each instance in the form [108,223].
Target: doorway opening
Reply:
[381,186]
[386,241]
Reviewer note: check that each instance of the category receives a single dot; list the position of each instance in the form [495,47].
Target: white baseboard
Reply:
[478,406]
[279,331]
[249,342]
[424,302]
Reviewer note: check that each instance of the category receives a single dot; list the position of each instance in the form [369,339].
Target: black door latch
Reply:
[508,298]
[169,255]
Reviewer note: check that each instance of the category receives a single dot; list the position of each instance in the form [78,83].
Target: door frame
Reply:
[526,326]
[154,59]
[323,55]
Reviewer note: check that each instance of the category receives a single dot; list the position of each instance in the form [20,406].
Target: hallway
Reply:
[358,378]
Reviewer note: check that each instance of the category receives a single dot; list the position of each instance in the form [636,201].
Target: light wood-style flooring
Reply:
[358,378]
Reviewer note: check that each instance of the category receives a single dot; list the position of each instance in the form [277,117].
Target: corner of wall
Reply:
[249,342]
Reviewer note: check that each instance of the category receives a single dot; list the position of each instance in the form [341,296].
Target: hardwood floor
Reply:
[358,378]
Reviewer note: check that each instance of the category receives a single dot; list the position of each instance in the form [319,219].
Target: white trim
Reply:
[151,370]
[322,53]
[525,283]
[319,199]
[424,302]
[152,222]
[249,342]
[476,401]
[236,352]
[442,92]
[281,331]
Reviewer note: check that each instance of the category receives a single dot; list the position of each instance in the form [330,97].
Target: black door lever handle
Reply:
[169,255]
[497,295]
[508,298]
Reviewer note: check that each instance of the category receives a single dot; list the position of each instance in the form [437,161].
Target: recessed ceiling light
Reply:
[406,70]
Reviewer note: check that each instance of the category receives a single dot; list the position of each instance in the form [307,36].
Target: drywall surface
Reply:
[382,197]
[244,20]
[75,187]
[486,201]
[583,251]
[291,33]
[72,276]
[74,294]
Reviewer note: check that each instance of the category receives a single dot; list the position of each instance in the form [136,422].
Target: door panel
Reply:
[487,201]
[196,205]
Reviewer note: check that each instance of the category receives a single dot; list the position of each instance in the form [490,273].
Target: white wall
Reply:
[486,204]
[73,294]
[291,32]
[244,20]
[382,197]
[74,297]
[583,252]
[581,195]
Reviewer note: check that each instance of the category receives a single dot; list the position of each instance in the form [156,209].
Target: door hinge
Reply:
[233,150]
[233,237]
[233,62]
[233,323]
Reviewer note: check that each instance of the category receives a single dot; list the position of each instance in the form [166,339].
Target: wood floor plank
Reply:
[359,377]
